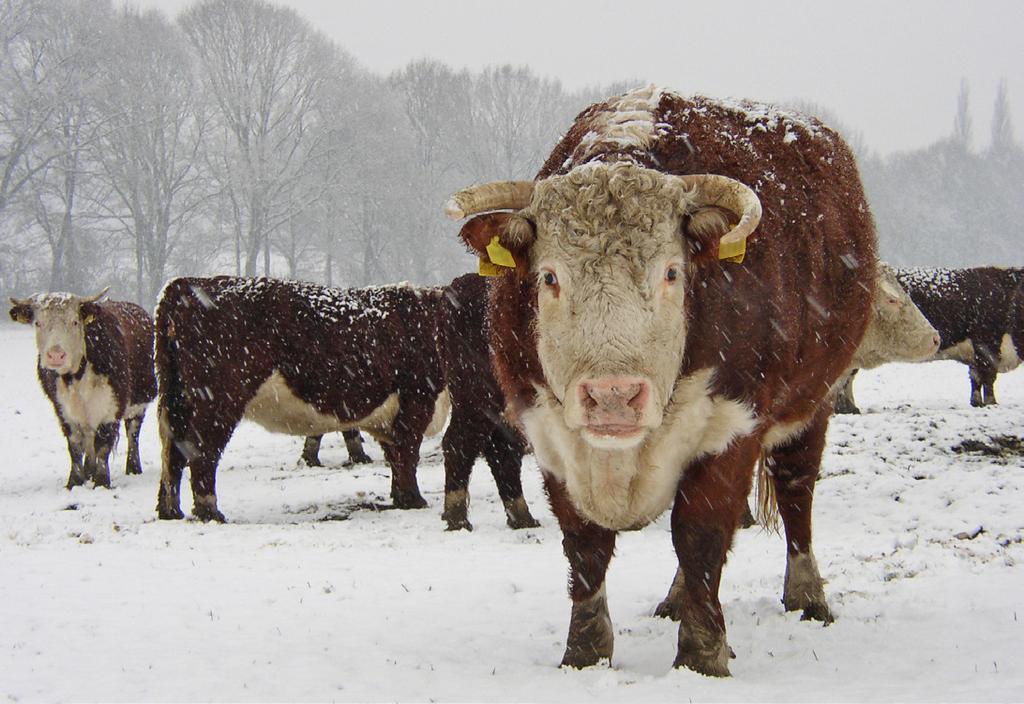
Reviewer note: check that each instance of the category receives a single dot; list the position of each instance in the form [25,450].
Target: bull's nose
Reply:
[936,341]
[613,399]
[55,356]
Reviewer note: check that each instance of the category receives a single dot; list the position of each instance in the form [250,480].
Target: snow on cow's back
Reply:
[326,303]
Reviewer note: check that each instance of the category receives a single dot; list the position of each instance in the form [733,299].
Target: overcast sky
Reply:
[890,69]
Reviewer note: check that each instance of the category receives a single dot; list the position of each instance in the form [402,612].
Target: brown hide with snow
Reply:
[764,342]
[297,358]
[977,312]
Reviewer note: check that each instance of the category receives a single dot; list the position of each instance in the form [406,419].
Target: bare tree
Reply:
[148,155]
[1002,126]
[962,123]
[264,68]
[68,46]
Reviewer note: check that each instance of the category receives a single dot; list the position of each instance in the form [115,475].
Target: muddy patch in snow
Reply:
[1000,447]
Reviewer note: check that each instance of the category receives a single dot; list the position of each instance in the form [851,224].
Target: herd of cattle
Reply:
[680,297]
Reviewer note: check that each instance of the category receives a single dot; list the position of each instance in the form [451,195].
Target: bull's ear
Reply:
[703,228]
[87,312]
[501,240]
[21,312]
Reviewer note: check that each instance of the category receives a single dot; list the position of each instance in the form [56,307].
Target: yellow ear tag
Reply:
[499,255]
[488,269]
[498,259]
[89,319]
[732,251]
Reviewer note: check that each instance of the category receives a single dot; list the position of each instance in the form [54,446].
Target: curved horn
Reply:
[21,301]
[94,298]
[498,195]
[732,195]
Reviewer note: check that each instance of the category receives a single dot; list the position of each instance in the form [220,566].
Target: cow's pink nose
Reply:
[56,356]
[613,400]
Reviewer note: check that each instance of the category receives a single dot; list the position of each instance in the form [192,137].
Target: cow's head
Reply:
[60,320]
[612,247]
[897,330]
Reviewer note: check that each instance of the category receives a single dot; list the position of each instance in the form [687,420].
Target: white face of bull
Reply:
[614,418]
[611,263]
[60,328]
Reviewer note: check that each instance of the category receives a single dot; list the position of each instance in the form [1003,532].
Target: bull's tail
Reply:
[767,514]
[174,409]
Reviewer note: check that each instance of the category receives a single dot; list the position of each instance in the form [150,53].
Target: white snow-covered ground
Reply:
[305,595]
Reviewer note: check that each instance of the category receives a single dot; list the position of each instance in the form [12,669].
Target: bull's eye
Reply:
[549,279]
[672,274]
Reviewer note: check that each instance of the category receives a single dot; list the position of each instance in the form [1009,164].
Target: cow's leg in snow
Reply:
[97,461]
[132,426]
[708,507]
[504,452]
[416,408]
[589,549]
[76,450]
[463,442]
[794,469]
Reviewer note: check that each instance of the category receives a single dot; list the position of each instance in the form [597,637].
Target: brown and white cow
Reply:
[296,358]
[478,425]
[898,332]
[977,312]
[647,369]
[95,364]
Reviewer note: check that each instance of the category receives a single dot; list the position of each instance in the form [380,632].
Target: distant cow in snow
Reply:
[977,313]
[478,425]
[897,332]
[95,364]
[296,358]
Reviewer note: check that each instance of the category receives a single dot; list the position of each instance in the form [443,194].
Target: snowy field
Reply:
[310,594]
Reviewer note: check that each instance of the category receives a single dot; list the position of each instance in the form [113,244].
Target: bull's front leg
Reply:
[589,549]
[403,452]
[97,461]
[76,451]
[707,510]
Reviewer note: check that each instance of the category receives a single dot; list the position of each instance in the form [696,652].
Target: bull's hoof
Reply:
[409,500]
[360,458]
[518,516]
[205,510]
[457,524]
[169,513]
[817,612]
[74,479]
[579,658]
[670,609]
[133,470]
[206,515]
[705,653]
[312,461]
[591,639]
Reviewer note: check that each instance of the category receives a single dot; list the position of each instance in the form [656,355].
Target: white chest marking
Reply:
[628,488]
[88,402]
